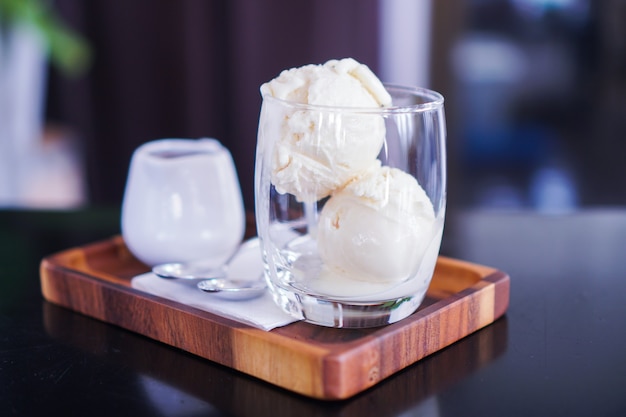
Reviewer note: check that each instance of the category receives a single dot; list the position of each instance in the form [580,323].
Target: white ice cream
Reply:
[318,151]
[377,228]
[377,233]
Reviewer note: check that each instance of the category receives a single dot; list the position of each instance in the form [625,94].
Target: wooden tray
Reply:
[315,361]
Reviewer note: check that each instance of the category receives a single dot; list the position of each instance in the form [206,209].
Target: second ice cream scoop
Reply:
[377,228]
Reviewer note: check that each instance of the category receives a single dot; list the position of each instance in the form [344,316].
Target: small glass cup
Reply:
[350,206]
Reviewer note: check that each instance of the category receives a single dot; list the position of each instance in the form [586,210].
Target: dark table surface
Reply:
[559,351]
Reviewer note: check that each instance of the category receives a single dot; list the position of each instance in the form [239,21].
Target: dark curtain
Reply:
[192,68]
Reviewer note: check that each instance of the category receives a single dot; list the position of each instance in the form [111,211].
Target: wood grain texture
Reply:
[315,361]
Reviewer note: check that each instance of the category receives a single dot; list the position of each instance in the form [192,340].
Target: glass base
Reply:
[336,313]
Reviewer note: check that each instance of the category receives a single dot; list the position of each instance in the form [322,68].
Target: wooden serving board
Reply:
[318,362]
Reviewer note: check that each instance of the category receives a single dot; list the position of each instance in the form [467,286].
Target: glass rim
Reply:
[432,101]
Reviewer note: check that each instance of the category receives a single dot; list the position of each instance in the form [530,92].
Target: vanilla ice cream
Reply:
[321,135]
[319,150]
[377,228]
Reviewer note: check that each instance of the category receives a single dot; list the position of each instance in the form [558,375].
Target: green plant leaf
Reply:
[67,50]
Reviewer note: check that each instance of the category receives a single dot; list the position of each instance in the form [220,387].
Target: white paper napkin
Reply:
[259,312]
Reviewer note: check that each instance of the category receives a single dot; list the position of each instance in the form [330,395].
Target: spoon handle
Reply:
[188,271]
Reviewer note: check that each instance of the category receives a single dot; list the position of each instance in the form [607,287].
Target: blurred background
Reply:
[535,90]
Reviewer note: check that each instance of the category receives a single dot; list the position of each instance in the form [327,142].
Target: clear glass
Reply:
[349,239]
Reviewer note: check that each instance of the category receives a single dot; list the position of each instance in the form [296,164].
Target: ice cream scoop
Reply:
[344,82]
[318,149]
[377,227]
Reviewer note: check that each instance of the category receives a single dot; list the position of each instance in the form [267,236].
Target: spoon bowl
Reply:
[189,271]
[233,289]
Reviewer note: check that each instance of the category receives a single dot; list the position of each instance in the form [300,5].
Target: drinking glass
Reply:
[348,238]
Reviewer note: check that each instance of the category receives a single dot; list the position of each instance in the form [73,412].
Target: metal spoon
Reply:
[190,271]
[215,279]
[233,289]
